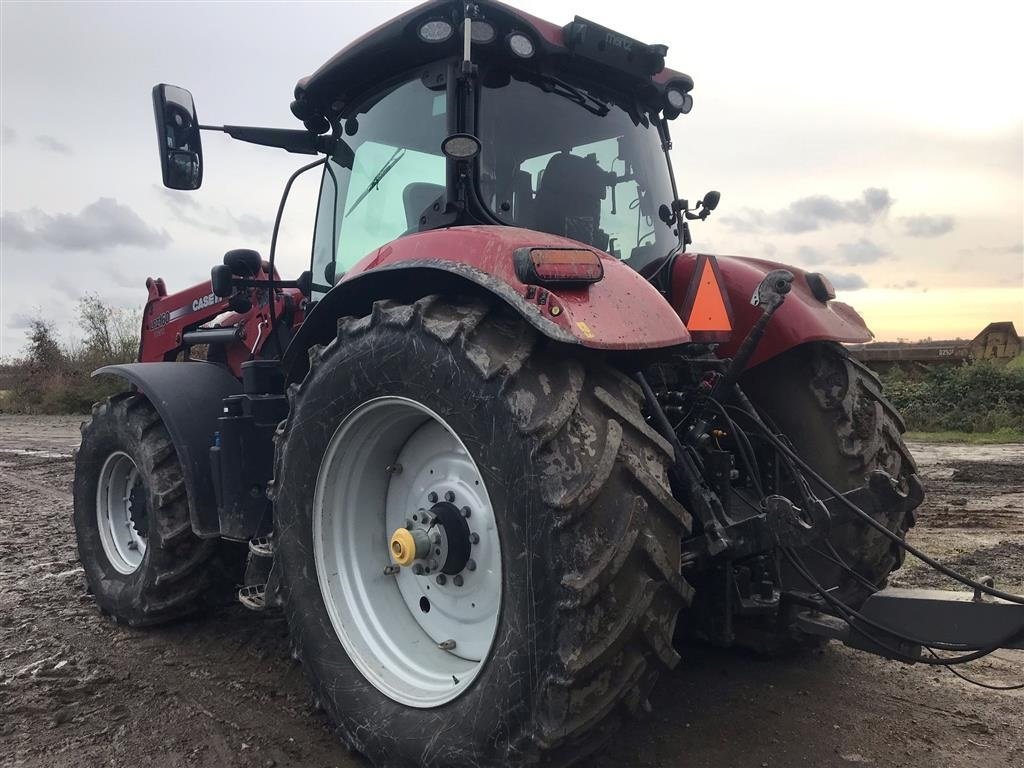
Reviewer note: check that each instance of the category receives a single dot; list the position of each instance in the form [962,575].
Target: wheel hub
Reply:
[435,540]
[122,513]
[396,481]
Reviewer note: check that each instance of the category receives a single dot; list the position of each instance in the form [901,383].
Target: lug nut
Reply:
[441,579]
[449,496]
[474,538]
[466,511]
[471,564]
[457,580]
[417,569]
[391,570]
[432,497]
[432,564]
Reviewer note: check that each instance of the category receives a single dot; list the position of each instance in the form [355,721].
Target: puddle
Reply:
[35,453]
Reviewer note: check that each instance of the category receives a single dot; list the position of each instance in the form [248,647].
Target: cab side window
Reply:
[398,173]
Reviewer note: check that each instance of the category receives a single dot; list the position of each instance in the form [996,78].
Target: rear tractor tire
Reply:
[142,561]
[832,409]
[477,541]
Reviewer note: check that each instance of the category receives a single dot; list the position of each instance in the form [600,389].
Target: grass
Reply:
[972,438]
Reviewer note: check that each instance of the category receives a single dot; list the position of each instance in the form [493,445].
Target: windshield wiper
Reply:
[590,103]
[391,163]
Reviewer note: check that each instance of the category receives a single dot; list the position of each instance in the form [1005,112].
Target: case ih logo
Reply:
[204,302]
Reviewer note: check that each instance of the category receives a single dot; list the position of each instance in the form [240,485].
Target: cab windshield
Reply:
[558,160]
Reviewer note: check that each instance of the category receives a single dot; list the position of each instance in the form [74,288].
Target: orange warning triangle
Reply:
[708,312]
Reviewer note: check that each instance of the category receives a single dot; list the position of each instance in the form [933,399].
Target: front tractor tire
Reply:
[454,425]
[142,561]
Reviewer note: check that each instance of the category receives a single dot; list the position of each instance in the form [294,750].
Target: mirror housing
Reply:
[711,200]
[177,131]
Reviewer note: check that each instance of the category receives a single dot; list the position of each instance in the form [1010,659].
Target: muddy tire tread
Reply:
[176,572]
[621,591]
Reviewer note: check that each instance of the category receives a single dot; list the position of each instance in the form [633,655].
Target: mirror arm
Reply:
[292,140]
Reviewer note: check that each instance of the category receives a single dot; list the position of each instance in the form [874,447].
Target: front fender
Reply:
[188,397]
[802,318]
[620,312]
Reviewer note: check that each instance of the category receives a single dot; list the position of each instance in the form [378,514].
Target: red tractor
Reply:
[506,441]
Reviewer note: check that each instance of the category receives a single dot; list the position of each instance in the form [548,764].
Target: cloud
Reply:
[100,225]
[807,254]
[219,221]
[927,226]
[7,134]
[863,251]
[252,226]
[1017,249]
[51,144]
[905,285]
[847,282]
[812,213]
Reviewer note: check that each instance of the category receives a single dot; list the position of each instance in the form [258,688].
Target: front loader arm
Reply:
[173,322]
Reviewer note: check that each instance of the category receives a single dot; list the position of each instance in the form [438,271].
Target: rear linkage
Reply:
[897,618]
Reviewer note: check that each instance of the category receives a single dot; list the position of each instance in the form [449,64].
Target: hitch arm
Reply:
[936,616]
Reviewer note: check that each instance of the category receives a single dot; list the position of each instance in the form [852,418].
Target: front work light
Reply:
[567,266]
[678,101]
[520,45]
[461,146]
[435,31]
[482,32]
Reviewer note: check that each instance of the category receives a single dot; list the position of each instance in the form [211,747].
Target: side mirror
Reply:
[177,132]
[711,200]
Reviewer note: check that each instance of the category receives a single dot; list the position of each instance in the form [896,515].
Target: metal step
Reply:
[253,597]
[262,546]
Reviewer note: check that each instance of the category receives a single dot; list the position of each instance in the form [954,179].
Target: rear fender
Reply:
[188,397]
[802,318]
[620,312]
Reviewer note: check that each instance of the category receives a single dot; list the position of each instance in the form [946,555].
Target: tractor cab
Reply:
[486,115]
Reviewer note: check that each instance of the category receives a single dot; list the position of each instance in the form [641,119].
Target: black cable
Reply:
[930,648]
[748,462]
[896,538]
[838,560]
[848,614]
[979,683]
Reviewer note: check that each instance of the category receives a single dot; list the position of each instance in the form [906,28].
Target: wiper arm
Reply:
[590,103]
[391,163]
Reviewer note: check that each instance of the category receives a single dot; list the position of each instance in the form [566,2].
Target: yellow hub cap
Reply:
[404,546]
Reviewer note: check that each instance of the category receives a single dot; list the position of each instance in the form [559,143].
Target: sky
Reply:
[881,143]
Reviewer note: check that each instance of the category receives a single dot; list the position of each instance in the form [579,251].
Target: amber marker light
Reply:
[565,266]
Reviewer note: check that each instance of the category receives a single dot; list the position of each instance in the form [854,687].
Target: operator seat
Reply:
[568,202]
[417,197]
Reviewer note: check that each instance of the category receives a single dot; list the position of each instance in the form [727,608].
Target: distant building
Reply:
[998,340]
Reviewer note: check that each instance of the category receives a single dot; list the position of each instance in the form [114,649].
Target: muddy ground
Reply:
[221,690]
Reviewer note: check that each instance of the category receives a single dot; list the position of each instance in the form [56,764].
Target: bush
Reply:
[55,377]
[982,396]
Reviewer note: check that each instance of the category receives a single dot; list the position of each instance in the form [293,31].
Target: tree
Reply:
[111,334]
[43,348]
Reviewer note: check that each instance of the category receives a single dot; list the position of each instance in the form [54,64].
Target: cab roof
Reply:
[579,50]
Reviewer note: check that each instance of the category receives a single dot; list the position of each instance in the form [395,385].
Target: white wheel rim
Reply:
[382,466]
[122,543]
